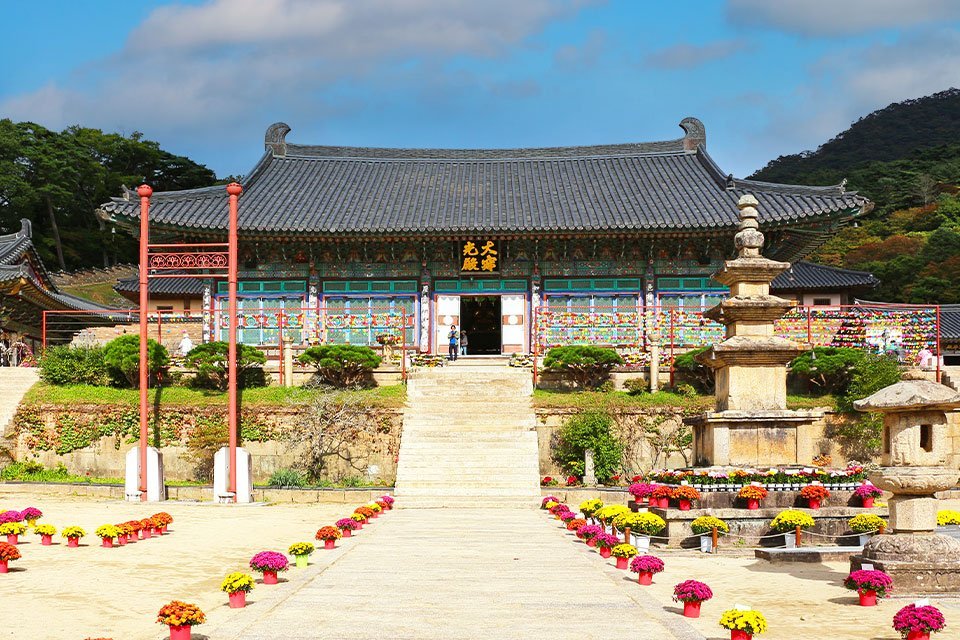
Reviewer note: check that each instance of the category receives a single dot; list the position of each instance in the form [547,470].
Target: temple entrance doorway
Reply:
[480,318]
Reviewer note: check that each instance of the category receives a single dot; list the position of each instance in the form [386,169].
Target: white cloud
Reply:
[208,70]
[687,56]
[840,17]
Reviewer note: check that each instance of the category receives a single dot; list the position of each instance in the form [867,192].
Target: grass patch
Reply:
[41,393]
[101,293]
[545,399]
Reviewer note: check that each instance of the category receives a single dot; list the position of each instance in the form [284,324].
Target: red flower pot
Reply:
[753,504]
[329,544]
[375,515]
[131,537]
[691,609]
[347,533]
[73,542]
[3,567]
[180,632]
[814,503]
[664,503]
[144,534]
[238,599]
[13,538]
[107,543]
[739,634]
[645,578]
[918,635]
[122,539]
[270,577]
[163,529]
[868,502]
[621,563]
[684,505]
[868,598]
[604,552]
[46,540]
[592,542]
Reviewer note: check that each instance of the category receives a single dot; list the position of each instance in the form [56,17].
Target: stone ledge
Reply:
[806,554]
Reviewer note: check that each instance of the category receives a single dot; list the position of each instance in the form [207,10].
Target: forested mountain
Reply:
[58,179]
[906,158]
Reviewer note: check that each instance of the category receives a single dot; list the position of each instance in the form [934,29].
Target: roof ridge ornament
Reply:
[275,139]
[695,134]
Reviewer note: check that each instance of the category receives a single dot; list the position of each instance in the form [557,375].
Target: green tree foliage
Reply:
[211,362]
[860,435]
[589,430]
[587,366]
[58,179]
[341,365]
[122,356]
[691,371]
[65,365]
[830,369]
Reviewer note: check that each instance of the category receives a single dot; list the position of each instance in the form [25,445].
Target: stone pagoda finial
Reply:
[748,240]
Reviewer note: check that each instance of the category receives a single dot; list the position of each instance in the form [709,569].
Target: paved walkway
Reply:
[457,574]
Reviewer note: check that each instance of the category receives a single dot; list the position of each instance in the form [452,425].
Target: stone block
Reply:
[912,514]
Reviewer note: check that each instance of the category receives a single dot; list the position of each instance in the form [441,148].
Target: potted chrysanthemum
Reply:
[13,531]
[180,617]
[743,623]
[46,533]
[365,511]
[359,518]
[375,509]
[606,515]
[146,528]
[918,622]
[641,491]
[790,522]
[869,585]
[684,495]
[575,524]
[660,496]
[389,500]
[164,519]
[237,585]
[605,542]
[106,533]
[590,507]
[8,552]
[753,494]
[867,493]
[691,593]
[645,567]
[31,515]
[301,553]
[329,535]
[814,494]
[347,526]
[588,534]
[269,563]
[73,535]
[947,517]
[707,527]
[132,528]
[864,524]
[623,552]
[10,516]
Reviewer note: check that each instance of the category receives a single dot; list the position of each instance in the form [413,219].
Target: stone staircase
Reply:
[469,438]
[950,376]
[14,383]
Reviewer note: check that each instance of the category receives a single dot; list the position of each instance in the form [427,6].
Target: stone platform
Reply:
[831,525]
[807,554]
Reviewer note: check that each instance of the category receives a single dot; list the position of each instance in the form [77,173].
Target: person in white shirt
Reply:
[186,344]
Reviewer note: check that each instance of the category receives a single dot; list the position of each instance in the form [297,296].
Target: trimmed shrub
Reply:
[287,478]
[587,366]
[828,368]
[341,365]
[122,356]
[210,360]
[589,430]
[687,369]
[74,365]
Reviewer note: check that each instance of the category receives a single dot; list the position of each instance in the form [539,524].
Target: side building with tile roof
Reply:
[479,238]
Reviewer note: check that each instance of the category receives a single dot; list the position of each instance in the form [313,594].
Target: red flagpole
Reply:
[233,190]
[144,191]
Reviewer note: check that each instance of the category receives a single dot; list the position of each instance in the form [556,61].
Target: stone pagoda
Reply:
[915,446]
[751,424]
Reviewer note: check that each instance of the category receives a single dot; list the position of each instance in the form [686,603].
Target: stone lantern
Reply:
[915,448]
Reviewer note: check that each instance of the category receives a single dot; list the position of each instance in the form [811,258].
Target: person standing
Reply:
[453,337]
[186,344]
[463,342]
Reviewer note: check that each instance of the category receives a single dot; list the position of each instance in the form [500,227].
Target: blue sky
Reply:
[205,78]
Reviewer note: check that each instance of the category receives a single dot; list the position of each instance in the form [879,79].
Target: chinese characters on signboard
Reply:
[479,256]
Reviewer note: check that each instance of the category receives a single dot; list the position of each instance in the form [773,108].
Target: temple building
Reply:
[338,242]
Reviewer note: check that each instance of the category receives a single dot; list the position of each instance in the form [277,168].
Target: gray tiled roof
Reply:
[162,286]
[652,187]
[950,322]
[811,277]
